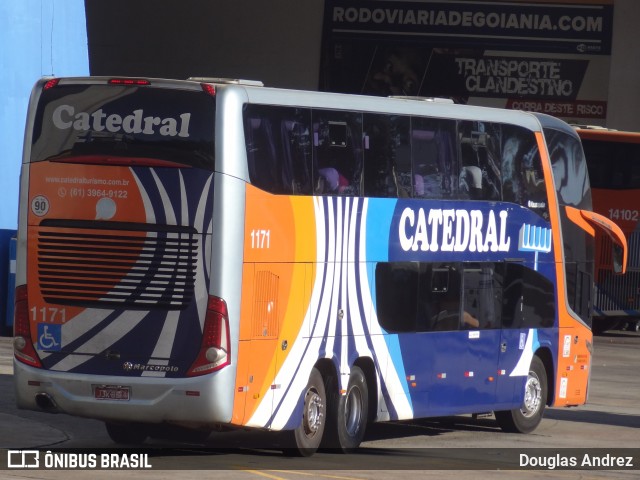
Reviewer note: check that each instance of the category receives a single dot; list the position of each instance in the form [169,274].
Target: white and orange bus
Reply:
[613,160]
[209,253]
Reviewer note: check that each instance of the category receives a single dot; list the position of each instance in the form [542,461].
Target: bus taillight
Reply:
[51,83]
[22,343]
[129,81]
[208,89]
[215,349]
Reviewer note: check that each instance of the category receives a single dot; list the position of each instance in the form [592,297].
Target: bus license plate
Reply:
[111,392]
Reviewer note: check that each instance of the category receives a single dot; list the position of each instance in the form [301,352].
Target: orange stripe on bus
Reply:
[280,246]
[580,337]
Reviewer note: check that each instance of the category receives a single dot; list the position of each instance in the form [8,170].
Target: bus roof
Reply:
[254,92]
[601,134]
[390,105]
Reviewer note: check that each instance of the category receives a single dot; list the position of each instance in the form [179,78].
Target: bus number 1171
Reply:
[260,239]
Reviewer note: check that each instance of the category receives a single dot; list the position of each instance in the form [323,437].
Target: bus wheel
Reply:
[351,410]
[308,435]
[126,434]
[526,418]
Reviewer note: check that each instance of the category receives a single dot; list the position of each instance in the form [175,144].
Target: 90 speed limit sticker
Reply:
[40,205]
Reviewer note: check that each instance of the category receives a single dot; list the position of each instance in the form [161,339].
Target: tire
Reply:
[126,434]
[527,418]
[348,414]
[308,435]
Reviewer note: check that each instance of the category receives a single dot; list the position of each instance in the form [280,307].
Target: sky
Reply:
[39,38]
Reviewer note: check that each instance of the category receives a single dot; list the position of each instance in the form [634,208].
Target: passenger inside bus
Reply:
[338,156]
[332,181]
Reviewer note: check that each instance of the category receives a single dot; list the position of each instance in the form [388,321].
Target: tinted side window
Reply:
[569,169]
[412,296]
[479,175]
[528,299]
[572,184]
[387,164]
[612,165]
[397,296]
[421,297]
[482,296]
[522,175]
[443,301]
[337,159]
[278,147]
[433,157]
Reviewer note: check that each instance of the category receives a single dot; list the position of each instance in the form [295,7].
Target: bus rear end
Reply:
[112,292]
[613,159]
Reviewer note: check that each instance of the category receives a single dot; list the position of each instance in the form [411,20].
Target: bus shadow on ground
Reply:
[599,418]
[429,427]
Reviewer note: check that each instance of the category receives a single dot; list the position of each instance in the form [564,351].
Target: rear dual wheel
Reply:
[335,421]
[348,414]
[308,435]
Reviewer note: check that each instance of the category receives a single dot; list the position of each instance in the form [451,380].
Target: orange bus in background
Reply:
[613,160]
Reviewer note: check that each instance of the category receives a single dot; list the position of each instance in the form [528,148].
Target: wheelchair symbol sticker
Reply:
[49,337]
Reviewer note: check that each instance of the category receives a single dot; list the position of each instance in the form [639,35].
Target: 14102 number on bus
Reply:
[624,214]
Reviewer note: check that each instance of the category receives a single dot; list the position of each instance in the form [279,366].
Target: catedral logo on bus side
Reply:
[453,230]
[66,117]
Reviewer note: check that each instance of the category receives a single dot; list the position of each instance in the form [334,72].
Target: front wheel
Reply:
[526,418]
[349,414]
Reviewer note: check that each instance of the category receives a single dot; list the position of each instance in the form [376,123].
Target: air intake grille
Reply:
[633,245]
[120,265]
[618,293]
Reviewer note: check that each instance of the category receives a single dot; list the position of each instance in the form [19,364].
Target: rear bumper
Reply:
[198,401]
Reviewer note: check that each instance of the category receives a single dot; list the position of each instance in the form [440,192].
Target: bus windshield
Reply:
[613,160]
[85,123]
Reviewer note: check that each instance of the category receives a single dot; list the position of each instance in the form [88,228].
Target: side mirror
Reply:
[620,250]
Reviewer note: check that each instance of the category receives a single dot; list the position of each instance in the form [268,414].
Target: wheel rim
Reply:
[353,411]
[532,395]
[313,412]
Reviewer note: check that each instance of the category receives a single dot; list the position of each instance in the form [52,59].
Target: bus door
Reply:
[528,312]
[466,338]
[481,309]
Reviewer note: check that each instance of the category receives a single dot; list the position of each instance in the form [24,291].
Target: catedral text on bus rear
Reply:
[66,117]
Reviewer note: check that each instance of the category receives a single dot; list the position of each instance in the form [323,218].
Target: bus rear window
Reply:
[106,122]
[613,165]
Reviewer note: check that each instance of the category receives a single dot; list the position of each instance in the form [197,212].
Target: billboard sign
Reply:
[545,56]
